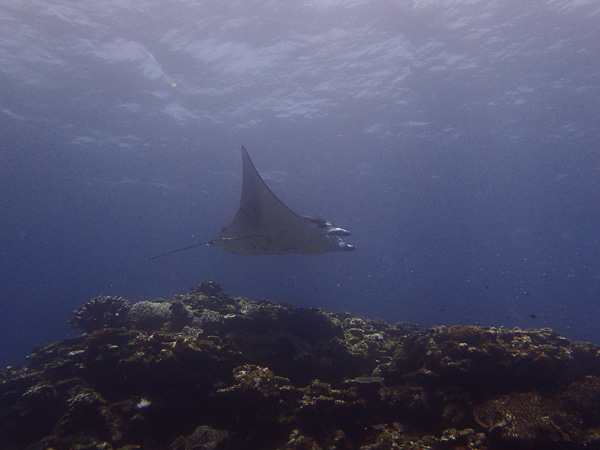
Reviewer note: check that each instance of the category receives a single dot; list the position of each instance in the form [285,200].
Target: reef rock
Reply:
[208,371]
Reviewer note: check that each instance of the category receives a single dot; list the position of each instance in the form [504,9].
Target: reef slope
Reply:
[208,371]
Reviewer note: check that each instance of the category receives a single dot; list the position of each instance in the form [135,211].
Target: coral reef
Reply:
[208,371]
[101,312]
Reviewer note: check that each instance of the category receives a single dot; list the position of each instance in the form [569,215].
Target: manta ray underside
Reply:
[264,225]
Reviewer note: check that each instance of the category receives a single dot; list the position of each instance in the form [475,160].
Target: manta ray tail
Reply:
[176,251]
[207,243]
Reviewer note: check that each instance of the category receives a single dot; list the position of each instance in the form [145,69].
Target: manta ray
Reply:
[264,225]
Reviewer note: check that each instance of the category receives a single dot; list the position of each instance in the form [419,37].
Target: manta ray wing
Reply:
[263,224]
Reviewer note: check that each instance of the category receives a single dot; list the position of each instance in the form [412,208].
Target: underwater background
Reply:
[457,140]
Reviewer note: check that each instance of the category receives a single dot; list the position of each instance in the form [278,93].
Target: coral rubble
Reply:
[209,371]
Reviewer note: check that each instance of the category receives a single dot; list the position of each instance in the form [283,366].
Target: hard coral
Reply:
[207,370]
[528,418]
[150,315]
[101,312]
[208,287]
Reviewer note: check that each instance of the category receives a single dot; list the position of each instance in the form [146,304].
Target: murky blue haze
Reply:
[457,140]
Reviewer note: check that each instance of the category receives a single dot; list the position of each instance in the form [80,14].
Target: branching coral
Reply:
[101,312]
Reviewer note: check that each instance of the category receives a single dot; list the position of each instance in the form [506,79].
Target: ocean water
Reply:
[459,142]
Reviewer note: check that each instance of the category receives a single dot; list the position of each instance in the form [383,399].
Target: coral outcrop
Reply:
[208,371]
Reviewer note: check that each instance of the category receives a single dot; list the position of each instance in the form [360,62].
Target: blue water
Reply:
[459,142]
